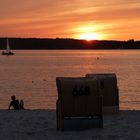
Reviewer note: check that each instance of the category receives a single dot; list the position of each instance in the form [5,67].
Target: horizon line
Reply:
[131,39]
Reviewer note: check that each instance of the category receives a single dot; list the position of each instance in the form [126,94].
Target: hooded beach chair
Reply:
[79,104]
[109,90]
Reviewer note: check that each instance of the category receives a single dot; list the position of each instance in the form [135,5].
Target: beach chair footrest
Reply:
[81,123]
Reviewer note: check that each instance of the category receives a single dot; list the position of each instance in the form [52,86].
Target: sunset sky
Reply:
[81,19]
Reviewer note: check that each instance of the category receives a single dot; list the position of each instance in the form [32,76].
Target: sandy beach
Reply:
[41,125]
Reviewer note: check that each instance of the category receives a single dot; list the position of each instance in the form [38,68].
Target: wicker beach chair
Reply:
[79,105]
[109,90]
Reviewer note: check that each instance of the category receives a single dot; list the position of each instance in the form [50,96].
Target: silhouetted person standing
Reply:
[14,103]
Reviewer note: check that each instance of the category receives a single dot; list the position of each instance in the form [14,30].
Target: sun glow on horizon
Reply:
[89,36]
[88,33]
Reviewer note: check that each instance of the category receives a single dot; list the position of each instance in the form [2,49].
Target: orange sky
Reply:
[105,19]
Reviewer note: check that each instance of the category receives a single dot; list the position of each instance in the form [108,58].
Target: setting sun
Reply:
[88,32]
[89,36]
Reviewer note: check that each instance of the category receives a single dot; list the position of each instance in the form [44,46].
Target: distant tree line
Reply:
[58,43]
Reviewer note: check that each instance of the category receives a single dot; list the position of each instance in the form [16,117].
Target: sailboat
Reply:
[7,51]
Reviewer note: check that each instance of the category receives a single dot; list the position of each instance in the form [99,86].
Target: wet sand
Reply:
[41,125]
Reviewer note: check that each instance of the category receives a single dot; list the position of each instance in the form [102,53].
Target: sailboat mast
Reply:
[7,46]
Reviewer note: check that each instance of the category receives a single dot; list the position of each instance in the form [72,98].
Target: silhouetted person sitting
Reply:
[14,103]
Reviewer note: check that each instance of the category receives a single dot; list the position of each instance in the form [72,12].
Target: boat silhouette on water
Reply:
[8,50]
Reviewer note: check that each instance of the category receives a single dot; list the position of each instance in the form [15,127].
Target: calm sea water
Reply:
[30,75]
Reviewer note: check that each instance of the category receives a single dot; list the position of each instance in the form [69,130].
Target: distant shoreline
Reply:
[66,44]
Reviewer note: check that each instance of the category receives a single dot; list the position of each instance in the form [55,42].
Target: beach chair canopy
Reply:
[79,96]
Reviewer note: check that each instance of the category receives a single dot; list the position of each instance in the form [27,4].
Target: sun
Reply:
[89,36]
[88,33]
